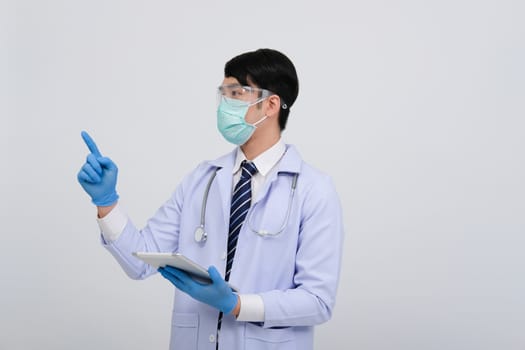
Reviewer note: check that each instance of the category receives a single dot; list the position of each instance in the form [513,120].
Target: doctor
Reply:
[259,217]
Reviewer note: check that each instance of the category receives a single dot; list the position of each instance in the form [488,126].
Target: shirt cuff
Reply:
[113,224]
[252,308]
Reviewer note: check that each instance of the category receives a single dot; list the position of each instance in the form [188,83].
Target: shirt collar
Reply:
[264,161]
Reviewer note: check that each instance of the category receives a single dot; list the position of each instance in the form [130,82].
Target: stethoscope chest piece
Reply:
[200,234]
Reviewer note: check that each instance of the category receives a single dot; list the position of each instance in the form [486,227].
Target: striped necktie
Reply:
[241,200]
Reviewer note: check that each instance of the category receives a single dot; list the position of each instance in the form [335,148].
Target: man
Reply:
[259,217]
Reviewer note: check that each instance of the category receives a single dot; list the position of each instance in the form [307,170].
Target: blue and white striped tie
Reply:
[241,200]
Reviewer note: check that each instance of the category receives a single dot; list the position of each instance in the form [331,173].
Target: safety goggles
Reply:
[248,94]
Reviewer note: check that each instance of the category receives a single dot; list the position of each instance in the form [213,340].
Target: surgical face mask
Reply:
[231,123]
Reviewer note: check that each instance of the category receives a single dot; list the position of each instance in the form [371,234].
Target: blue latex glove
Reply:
[217,294]
[98,176]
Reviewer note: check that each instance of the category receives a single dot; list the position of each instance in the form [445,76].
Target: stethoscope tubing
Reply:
[200,232]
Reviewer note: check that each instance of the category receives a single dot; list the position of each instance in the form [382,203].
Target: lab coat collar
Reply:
[290,163]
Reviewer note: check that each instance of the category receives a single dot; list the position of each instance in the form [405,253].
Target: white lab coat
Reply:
[296,272]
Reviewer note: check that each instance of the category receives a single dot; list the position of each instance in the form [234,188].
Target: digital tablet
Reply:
[179,261]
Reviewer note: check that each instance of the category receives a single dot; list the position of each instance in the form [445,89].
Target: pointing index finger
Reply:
[91,144]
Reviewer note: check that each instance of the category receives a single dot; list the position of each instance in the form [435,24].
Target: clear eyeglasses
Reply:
[248,94]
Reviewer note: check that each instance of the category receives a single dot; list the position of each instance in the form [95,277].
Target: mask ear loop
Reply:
[263,118]
[260,120]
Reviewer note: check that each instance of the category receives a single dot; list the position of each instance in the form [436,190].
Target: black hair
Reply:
[267,69]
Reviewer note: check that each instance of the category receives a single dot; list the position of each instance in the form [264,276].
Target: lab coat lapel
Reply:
[224,180]
[290,163]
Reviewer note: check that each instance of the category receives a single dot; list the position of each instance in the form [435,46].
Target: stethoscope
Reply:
[200,233]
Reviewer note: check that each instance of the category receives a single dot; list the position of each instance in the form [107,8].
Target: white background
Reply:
[416,108]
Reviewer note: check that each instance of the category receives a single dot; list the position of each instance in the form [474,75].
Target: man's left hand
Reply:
[217,294]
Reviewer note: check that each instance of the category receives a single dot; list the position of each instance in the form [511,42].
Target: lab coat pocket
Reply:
[184,331]
[269,338]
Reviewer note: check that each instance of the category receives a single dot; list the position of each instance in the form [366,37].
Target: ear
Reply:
[273,106]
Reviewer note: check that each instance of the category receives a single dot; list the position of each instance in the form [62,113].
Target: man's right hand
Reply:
[98,176]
